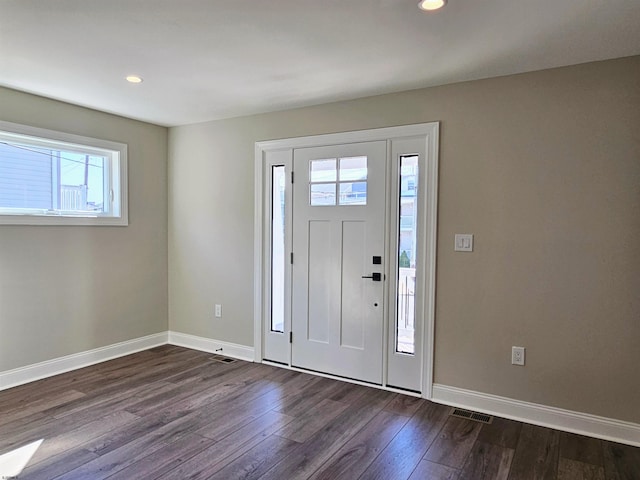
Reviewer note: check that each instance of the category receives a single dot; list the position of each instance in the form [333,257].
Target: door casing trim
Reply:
[431,132]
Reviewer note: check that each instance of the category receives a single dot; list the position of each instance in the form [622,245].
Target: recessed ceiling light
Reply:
[134,79]
[431,5]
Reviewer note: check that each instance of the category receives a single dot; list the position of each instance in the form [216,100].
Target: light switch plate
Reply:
[463,242]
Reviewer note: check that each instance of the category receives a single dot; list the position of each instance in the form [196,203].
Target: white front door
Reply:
[338,284]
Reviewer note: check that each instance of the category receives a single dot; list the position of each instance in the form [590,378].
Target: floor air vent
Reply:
[222,359]
[469,415]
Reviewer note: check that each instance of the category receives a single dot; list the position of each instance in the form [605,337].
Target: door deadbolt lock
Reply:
[376,277]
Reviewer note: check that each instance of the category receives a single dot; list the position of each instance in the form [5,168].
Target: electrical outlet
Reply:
[218,310]
[517,355]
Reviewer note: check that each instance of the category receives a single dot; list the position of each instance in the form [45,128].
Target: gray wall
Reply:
[544,169]
[65,290]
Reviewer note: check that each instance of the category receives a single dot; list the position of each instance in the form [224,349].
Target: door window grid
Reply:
[341,180]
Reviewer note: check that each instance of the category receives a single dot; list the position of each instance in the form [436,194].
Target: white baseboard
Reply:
[37,371]
[241,352]
[558,418]
[49,368]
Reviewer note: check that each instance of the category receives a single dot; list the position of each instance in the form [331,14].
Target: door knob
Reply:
[376,277]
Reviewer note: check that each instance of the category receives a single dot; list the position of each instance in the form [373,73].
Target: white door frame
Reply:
[430,133]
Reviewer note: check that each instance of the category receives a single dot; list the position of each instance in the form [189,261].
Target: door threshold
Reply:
[411,393]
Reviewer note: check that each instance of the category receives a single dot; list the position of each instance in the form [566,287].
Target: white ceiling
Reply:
[210,59]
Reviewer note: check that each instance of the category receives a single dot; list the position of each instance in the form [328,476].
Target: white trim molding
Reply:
[49,368]
[552,417]
[233,350]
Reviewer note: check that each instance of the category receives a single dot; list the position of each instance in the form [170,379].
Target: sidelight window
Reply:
[407,248]
[277,247]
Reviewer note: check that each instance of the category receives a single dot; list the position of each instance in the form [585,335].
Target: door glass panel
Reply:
[348,182]
[323,170]
[407,247]
[353,168]
[277,247]
[353,193]
[323,194]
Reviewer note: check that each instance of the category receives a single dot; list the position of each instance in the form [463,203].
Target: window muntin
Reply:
[338,181]
[407,248]
[53,178]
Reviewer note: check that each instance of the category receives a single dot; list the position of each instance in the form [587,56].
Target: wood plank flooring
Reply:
[174,413]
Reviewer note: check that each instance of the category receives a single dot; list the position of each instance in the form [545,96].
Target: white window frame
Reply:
[115,179]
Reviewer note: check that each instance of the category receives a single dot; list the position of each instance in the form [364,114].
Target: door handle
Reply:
[376,277]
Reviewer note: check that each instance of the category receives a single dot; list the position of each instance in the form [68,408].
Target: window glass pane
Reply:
[46,179]
[55,178]
[353,168]
[82,182]
[277,248]
[354,193]
[323,194]
[323,170]
[407,237]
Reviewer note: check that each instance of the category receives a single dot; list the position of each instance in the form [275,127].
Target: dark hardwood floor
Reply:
[174,413]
